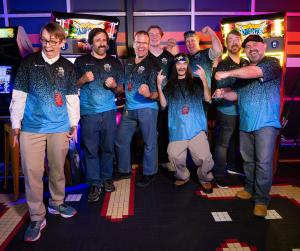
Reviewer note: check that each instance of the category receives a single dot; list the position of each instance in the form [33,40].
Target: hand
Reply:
[218,94]
[16,133]
[144,90]
[221,75]
[88,77]
[110,83]
[200,72]
[160,79]
[207,30]
[72,134]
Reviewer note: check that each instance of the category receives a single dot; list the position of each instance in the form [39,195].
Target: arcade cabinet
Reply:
[14,45]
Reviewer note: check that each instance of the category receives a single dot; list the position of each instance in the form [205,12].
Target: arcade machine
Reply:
[77,28]
[14,45]
[272,28]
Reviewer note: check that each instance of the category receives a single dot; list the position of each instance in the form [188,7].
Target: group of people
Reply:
[165,96]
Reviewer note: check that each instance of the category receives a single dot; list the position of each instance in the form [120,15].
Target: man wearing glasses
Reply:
[141,110]
[44,115]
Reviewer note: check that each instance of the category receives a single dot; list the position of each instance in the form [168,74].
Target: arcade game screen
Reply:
[5,79]
[270,27]
[77,27]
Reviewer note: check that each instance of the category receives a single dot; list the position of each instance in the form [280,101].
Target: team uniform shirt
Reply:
[144,72]
[164,61]
[259,100]
[202,58]
[185,111]
[95,96]
[225,106]
[46,87]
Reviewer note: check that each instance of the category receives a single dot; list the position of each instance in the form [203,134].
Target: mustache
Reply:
[102,46]
[253,51]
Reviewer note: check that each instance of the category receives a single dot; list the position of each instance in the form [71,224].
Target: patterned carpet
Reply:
[162,218]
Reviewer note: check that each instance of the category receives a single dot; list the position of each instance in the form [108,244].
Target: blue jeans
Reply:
[146,119]
[226,127]
[98,136]
[257,149]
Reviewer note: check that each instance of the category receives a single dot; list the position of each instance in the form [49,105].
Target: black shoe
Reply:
[121,176]
[221,183]
[109,186]
[145,180]
[236,172]
[94,193]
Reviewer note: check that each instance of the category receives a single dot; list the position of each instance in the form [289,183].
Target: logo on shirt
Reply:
[60,71]
[164,61]
[140,70]
[107,67]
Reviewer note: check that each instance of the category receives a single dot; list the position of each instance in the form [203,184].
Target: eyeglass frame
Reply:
[50,42]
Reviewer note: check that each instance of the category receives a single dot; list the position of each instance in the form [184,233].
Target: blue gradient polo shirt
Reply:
[182,125]
[95,96]
[164,61]
[144,72]
[202,58]
[42,81]
[259,100]
[225,106]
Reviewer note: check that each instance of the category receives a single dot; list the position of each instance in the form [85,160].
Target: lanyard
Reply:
[181,91]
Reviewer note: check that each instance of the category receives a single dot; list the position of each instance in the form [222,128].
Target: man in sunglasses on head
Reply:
[205,57]
[44,115]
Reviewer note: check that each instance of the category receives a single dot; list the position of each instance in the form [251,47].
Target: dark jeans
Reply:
[146,119]
[225,153]
[257,149]
[163,136]
[98,135]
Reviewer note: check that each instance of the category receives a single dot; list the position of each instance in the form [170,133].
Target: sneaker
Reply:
[64,210]
[206,187]
[179,183]
[109,186]
[236,172]
[94,193]
[260,210]
[221,183]
[121,176]
[243,195]
[145,180]
[33,231]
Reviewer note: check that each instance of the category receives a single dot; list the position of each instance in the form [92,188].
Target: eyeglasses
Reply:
[50,42]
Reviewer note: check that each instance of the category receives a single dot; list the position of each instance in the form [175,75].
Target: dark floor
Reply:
[175,219]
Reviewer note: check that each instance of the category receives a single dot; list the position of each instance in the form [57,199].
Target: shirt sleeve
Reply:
[271,69]
[119,73]
[21,82]
[73,109]
[17,107]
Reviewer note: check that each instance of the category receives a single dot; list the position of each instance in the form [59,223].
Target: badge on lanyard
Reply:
[129,87]
[185,110]
[58,98]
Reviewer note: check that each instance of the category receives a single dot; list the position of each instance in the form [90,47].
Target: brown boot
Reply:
[260,210]
[178,183]
[207,187]
[244,195]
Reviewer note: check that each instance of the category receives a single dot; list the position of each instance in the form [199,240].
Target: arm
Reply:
[200,72]
[225,93]
[16,108]
[161,96]
[145,91]
[217,47]
[247,72]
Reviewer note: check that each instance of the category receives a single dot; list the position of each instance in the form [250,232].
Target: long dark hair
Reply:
[173,81]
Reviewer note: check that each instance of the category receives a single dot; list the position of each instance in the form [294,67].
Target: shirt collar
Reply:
[48,60]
